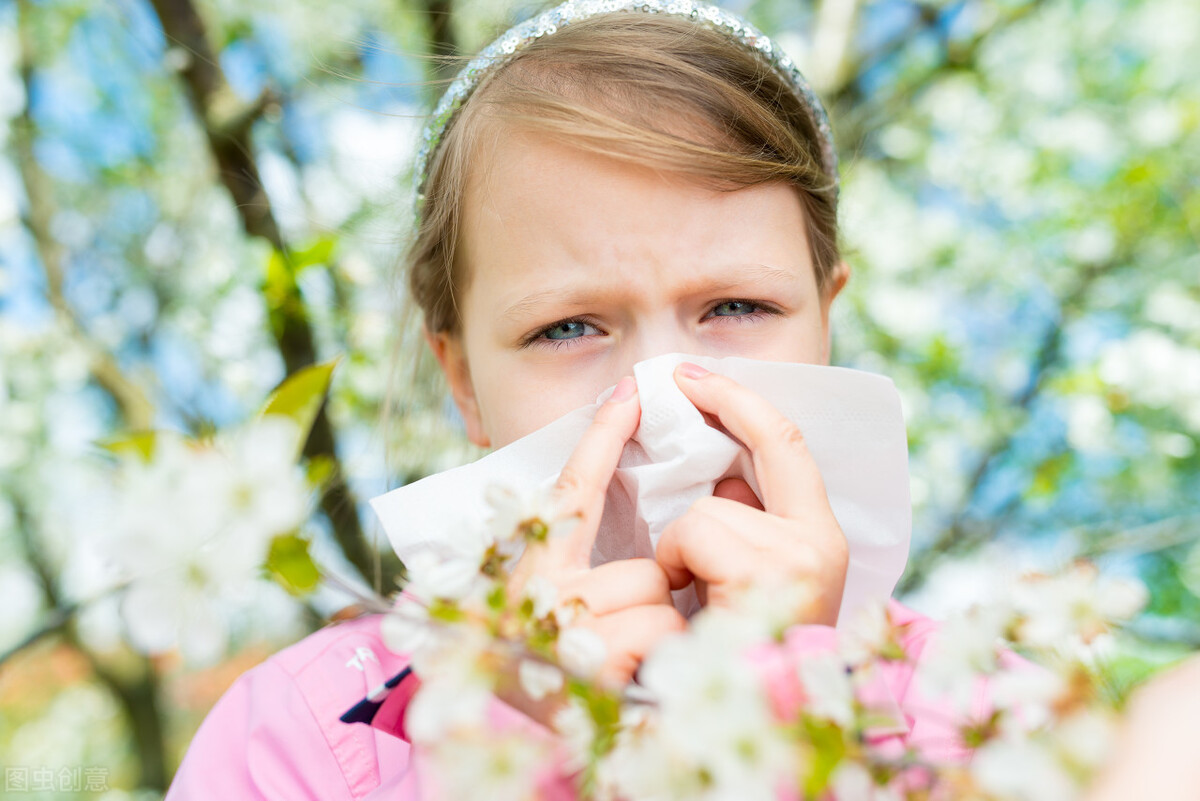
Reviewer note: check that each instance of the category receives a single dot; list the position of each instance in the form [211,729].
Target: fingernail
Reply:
[690,370]
[625,390]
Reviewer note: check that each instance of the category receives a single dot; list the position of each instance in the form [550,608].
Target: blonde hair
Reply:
[620,85]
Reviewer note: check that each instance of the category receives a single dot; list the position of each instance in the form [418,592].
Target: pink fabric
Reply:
[276,733]
[929,725]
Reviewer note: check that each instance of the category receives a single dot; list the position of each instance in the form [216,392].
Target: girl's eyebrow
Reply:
[729,278]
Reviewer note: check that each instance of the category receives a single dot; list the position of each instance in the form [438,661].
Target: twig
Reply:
[227,127]
[1169,532]
[370,601]
[57,618]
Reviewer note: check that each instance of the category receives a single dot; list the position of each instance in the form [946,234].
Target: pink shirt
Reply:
[277,734]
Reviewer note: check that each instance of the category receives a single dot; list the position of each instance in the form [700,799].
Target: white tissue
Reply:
[851,421]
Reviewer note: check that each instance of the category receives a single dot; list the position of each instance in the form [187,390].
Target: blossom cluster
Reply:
[704,720]
[226,500]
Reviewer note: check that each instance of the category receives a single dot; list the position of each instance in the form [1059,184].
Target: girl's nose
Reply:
[664,336]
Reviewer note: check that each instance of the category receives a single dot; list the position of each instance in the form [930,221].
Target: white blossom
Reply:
[1072,608]
[1086,737]
[642,764]
[191,529]
[575,727]
[1089,424]
[966,647]
[443,707]
[406,629]
[1156,370]
[767,609]
[1030,691]
[544,595]
[1120,599]
[539,679]
[486,767]
[1093,244]
[581,651]
[827,688]
[867,635]
[436,575]
[853,782]
[456,686]
[514,508]
[651,762]
[713,711]
[1020,769]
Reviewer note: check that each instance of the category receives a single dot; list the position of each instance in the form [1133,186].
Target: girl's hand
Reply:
[1155,753]
[627,602]
[728,542]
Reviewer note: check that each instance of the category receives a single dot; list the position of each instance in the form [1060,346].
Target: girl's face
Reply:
[578,266]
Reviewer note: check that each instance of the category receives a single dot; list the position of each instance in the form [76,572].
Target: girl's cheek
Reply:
[530,396]
[792,340]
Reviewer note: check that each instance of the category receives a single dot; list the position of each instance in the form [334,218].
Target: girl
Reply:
[606,183]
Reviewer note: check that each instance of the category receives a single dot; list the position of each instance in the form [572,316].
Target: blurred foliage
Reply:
[1020,210]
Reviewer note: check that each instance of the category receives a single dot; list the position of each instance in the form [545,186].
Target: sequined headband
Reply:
[549,22]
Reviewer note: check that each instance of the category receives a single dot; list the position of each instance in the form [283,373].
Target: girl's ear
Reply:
[837,281]
[448,350]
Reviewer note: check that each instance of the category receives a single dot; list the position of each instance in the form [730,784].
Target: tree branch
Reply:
[227,127]
[137,691]
[859,115]
[443,44]
[131,401]
[962,532]
[831,43]
[138,694]
[846,90]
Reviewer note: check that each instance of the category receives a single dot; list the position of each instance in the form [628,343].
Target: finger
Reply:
[793,546]
[630,634]
[789,479]
[619,585]
[583,482]
[726,547]
[736,489]
[697,546]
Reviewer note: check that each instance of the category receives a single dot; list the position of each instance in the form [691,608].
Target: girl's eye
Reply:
[568,329]
[734,308]
[563,332]
[566,333]
[742,310]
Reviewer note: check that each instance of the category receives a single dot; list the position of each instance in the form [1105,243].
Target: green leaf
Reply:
[318,252]
[318,471]
[1048,475]
[497,599]
[289,561]
[444,611]
[300,396]
[829,747]
[137,443]
[280,278]
[283,267]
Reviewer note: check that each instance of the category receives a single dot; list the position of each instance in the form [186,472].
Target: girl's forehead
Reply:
[520,170]
[544,217]
[528,178]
